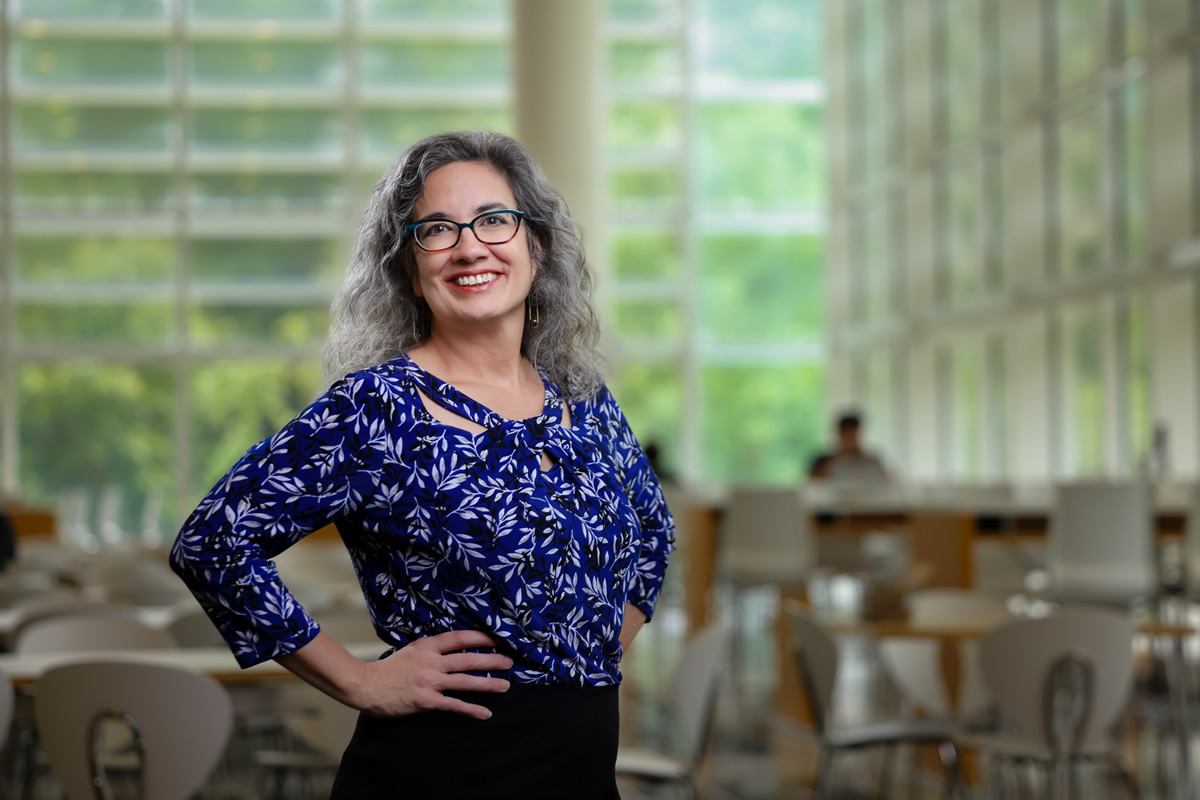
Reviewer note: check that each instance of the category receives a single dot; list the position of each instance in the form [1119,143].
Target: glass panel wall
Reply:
[717,232]
[1056,144]
[181,182]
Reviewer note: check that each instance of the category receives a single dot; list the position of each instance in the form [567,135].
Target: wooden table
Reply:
[942,540]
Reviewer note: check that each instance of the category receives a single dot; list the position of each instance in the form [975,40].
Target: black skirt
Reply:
[549,742]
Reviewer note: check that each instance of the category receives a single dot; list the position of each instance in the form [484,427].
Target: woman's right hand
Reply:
[412,679]
[415,677]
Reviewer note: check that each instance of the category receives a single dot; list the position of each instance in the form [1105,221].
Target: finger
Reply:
[456,706]
[459,682]
[476,662]
[460,640]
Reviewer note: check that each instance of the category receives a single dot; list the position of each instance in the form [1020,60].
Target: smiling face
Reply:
[471,283]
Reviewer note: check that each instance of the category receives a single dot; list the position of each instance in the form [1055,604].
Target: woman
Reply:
[507,530]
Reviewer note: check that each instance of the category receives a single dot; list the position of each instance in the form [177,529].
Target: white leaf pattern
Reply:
[447,530]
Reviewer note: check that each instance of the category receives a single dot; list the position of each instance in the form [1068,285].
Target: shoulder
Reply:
[388,381]
[382,391]
[600,407]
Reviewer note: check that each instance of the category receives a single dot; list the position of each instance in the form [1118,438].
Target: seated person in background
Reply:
[847,461]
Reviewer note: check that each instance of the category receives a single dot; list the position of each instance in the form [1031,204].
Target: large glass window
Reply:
[716,235]
[1081,245]
[177,237]
[181,201]
[1085,356]
[1040,147]
[963,71]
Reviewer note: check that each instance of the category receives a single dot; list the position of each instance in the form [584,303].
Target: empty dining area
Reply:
[900,302]
[804,645]
[893,641]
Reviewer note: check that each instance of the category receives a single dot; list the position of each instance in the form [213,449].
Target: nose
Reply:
[469,246]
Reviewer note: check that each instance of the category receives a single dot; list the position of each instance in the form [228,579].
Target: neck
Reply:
[490,356]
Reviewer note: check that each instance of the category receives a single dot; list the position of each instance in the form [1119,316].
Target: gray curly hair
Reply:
[377,316]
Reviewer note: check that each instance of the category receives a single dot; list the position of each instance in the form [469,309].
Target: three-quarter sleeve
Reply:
[322,466]
[646,495]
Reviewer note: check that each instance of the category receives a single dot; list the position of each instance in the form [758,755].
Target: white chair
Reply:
[323,728]
[136,577]
[194,628]
[915,664]
[70,633]
[59,603]
[765,538]
[1060,685]
[316,726]
[1191,542]
[765,543]
[180,720]
[696,680]
[1101,543]
[817,660]
[348,624]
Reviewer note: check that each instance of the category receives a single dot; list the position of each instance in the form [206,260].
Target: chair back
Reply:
[1191,542]
[1067,699]
[182,721]
[1101,544]
[816,656]
[696,686]
[322,723]
[194,628]
[30,612]
[765,537]
[348,625]
[915,665]
[136,577]
[1023,662]
[91,632]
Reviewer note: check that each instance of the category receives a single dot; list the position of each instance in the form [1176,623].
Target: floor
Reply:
[754,753]
[757,754]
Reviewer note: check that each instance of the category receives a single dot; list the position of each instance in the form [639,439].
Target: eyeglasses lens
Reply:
[495,227]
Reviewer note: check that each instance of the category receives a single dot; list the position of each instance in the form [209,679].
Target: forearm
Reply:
[328,666]
[634,620]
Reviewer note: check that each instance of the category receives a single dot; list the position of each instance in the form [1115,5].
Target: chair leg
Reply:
[995,778]
[885,773]
[948,755]
[914,772]
[823,783]
[1126,778]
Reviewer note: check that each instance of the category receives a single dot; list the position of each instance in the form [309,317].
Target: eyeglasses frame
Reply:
[411,229]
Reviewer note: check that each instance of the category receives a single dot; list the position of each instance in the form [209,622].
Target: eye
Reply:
[493,221]
[434,229]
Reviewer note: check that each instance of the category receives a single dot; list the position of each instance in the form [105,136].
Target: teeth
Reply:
[473,280]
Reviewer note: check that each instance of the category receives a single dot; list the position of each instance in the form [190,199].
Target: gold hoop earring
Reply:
[533,313]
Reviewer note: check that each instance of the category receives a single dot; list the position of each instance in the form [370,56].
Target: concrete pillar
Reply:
[560,106]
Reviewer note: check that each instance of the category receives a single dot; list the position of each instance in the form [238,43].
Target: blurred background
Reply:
[977,225]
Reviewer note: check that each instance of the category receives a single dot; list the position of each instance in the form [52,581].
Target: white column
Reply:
[559,78]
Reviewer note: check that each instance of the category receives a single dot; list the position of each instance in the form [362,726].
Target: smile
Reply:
[475,280]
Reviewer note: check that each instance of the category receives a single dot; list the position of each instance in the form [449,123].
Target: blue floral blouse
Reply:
[448,530]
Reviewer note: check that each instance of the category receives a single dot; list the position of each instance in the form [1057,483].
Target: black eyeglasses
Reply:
[490,227]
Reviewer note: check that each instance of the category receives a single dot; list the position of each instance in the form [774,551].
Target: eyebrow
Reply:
[483,209]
